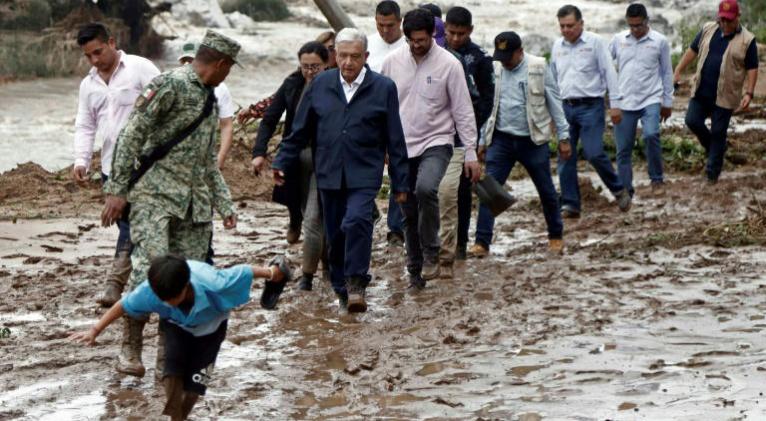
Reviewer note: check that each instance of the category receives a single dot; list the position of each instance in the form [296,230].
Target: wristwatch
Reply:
[749,93]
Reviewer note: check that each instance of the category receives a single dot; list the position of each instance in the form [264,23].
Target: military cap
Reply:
[221,43]
[189,50]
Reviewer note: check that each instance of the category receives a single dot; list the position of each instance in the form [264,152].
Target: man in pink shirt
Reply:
[433,102]
[107,95]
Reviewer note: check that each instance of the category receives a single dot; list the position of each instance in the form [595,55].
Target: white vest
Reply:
[538,117]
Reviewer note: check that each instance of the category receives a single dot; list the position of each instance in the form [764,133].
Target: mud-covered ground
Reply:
[652,314]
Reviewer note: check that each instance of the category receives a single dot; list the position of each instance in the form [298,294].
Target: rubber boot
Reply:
[129,361]
[159,367]
[116,280]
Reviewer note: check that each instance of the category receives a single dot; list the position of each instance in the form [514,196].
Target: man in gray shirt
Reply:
[583,70]
[646,84]
[526,102]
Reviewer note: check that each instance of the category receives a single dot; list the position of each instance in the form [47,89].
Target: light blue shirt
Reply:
[512,109]
[645,70]
[216,292]
[584,69]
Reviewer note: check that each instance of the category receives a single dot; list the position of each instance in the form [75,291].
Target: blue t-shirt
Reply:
[216,292]
[711,69]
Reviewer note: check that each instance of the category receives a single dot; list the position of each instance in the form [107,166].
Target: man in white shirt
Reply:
[106,98]
[389,37]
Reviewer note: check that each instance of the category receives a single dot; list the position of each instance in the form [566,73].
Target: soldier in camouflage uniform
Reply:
[171,203]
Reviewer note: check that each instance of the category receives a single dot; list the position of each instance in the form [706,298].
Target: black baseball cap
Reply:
[506,43]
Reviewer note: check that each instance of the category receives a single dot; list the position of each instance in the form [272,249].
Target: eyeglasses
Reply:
[637,25]
[311,67]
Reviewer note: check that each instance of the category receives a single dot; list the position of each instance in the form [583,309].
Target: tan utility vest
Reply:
[733,72]
[538,117]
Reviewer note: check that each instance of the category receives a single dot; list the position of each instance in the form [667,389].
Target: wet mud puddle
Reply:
[610,330]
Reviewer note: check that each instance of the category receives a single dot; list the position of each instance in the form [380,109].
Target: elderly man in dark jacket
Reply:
[353,114]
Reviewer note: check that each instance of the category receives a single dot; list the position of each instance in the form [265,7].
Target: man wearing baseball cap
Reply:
[526,103]
[728,59]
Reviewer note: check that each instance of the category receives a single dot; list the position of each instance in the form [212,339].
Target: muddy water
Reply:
[611,330]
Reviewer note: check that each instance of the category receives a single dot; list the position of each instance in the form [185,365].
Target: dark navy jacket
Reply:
[353,138]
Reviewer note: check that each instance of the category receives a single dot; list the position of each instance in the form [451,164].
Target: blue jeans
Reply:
[503,153]
[586,121]
[713,139]
[123,225]
[625,136]
[348,232]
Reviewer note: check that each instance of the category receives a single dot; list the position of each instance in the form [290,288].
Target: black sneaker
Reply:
[417,283]
[306,282]
[569,212]
[462,252]
[273,289]
[342,302]
[395,239]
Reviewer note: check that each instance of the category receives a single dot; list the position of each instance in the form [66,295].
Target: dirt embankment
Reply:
[29,191]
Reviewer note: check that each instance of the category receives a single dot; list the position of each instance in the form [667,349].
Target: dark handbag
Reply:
[492,195]
[146,161]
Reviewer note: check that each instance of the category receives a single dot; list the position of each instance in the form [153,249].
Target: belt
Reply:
[573,102]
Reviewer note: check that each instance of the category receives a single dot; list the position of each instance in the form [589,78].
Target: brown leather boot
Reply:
[356,295]
[116,280]
[129,361]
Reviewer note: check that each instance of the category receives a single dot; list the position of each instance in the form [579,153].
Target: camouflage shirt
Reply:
[188,175]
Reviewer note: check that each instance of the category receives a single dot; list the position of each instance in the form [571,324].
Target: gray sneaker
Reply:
[623,200]
[430,271]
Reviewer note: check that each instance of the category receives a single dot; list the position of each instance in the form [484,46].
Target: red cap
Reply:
[728,9]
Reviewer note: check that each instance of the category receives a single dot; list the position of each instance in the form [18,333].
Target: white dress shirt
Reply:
[225,103]
[350,89]
[105,108]
[380,49]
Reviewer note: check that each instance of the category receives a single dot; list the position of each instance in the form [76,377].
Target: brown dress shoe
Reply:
[478,250]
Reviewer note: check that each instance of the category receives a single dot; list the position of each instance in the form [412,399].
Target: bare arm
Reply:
[227,132]
[686,59]
[752,78]
[88,337]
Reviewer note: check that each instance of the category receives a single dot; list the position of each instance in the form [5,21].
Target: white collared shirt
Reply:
[105,108]
[350,89]
[380,49]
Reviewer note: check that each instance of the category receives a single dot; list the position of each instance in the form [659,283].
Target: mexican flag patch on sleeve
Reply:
[145,98]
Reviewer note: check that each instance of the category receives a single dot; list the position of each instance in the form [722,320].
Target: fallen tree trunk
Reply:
[335,15]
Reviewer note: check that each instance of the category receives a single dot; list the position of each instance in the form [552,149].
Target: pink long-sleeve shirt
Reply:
[104,108]
[433,100]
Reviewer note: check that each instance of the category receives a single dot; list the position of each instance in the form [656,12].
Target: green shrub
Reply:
[258,10]
[21,57]
[754,18]
[28,15]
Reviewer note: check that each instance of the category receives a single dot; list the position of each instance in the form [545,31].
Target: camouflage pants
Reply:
[155,233]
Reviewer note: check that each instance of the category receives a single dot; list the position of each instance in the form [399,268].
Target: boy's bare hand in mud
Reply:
[86,337]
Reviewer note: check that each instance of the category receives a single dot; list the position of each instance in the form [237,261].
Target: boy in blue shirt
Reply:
[193,300]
